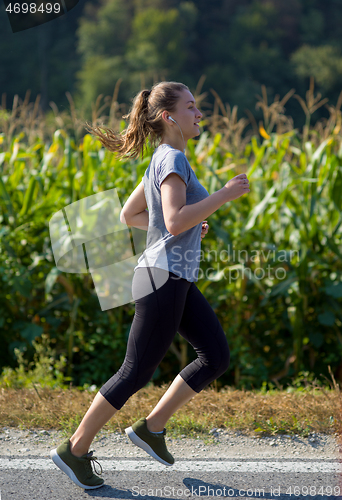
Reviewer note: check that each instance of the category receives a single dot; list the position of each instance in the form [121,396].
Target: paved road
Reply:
[37,478]
[232,466]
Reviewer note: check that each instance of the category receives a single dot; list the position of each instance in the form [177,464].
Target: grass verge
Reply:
[251,412]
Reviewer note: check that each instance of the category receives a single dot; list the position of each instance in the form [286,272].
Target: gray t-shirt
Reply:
[179,254]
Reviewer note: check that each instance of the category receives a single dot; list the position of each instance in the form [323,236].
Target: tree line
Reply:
[237,44]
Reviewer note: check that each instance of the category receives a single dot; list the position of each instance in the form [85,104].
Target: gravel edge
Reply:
[219,444]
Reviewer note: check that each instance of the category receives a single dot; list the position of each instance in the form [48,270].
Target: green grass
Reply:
[251,412]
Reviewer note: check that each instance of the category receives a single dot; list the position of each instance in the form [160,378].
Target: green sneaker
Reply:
[153,444]
[78,469]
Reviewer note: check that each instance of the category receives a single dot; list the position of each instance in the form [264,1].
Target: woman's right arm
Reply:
[180,217]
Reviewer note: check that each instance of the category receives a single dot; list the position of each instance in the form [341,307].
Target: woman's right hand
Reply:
[237,186]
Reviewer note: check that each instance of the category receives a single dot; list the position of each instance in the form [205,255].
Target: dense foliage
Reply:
[272,260]
[238,45]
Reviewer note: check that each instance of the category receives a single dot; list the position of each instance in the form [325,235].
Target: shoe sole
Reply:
[143,445]
[69,472]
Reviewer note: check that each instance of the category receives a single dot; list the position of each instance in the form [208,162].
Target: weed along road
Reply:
[228,464]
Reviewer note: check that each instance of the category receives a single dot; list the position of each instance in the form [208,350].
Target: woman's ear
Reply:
[166,116]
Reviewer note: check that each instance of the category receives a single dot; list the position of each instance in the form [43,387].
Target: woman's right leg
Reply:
[154,326]
[155,323]
[98,414]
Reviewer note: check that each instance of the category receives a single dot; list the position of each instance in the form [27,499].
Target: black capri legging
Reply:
[177,305]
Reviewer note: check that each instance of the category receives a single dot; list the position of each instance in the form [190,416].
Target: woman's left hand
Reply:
[205,229]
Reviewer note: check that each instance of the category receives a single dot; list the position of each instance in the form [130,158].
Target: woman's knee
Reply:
[143,379]
[225,362]
[221,361]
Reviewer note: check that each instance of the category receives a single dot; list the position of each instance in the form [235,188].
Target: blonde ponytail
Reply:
[144,120]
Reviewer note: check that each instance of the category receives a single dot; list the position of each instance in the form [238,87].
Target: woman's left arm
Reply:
[134,211]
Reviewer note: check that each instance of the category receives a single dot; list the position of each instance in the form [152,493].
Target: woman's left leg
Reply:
[174,398]
[202,329]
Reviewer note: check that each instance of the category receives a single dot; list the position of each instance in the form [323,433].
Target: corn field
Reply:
[271,262]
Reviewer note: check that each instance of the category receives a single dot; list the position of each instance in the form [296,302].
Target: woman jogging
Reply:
[166,297]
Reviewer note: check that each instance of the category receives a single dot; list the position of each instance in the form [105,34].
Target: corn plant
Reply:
[280,319]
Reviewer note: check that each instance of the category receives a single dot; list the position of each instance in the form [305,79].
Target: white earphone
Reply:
[170,118]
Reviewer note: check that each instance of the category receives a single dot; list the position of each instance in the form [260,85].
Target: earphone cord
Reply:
[182,135]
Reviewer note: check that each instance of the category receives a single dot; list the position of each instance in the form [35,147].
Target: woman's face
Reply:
[187,115]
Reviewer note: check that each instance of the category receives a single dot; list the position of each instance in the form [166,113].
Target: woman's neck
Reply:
[174,143]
